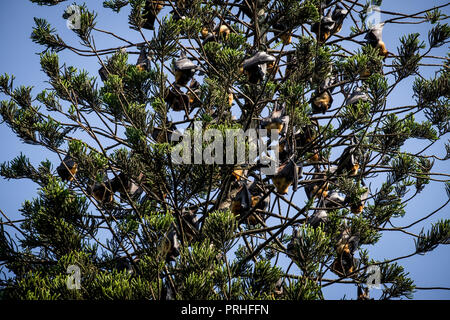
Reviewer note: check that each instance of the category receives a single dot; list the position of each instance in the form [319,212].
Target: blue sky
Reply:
[19,57]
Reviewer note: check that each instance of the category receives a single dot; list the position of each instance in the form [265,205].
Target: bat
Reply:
[344,265]
[287,174]
[177,100]
[257,191]
[317,189]
[256,66]
[280,31]
[357,95]
[338,16]
[347,161]
[190,224]
[143,62]
[321,101]
[324,28]
[242,201]
[319,217]
[277,121]
[374,38]
[306,134]
[357,207]
[184,69]
[347,243]
[67,169]
[151,10]
[170,246]
[363,293]
[103,73]
[124,185]
[103,192]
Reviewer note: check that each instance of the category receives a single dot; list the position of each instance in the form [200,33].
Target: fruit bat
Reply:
[333,200]
[280,31]
[257,192]
[184,69]
[324,28]
[363,293]
[357,95]
[143,62]
[194,94]
[347,243]
[124,185]
[323,99]
[190,224]
[103,73]
[238,173]
[151,10]
[67,169]
[306,134]
[347,161]
[177,100]
[287,174]
[374,38]
[103,192]
[242,201]
[338,16]
[256,66]
[344,265]
[317,189]
[277,121]
[170,246]
[318,217]
[221,30]
[358,206]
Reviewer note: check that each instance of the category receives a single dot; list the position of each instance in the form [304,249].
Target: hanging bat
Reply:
[323,99]
[170,246]
[257,192]
[67,169]
[184,69]
[357,206]
[306,134]
[124,185]
[357,95]
[287,174]
[103,192]
[190,224]
[338,16]
[177,100]
[347,161]
[344,265]
[363,293]
[151,10]
[256,66]
[277,121]
[374,38]
[347,243]
[319,217]
[280,31]
[242,201]
[317,189]
[143,61]
[324,28]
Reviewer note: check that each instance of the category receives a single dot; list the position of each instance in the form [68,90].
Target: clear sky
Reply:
[18,56]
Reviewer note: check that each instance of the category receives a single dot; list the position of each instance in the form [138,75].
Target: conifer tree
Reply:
[137,225]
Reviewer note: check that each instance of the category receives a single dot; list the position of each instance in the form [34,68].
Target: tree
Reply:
[135,224]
